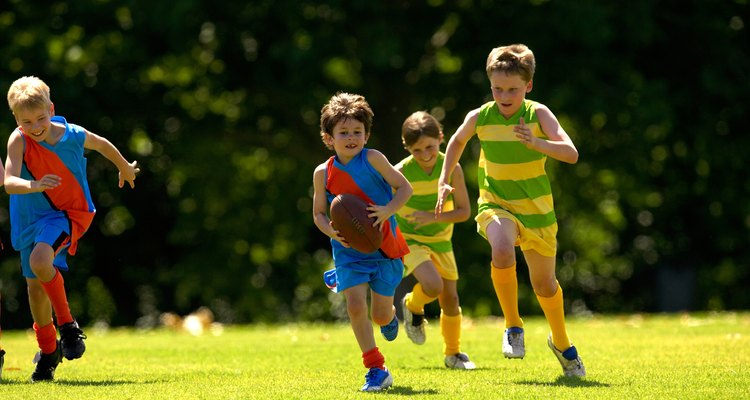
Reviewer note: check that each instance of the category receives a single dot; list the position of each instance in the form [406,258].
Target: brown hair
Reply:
[28,92]
[343,106]
[514,59]
[418,124]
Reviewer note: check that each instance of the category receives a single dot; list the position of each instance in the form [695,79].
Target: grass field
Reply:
[696,356]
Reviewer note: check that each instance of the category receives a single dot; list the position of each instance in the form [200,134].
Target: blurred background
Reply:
[220,101]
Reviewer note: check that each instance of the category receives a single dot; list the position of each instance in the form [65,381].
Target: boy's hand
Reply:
[523,133]
[380,213]
[336,236]
[444,190]
[422,218]
[48,181]
[128,174]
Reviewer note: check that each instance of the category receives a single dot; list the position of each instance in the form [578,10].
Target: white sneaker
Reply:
[513,343]
[459,361]
[415,333]
[571,363]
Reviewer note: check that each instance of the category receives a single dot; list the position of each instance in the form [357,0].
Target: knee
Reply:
[546,287]
[39,264]
[450,303]
[503,256]
[356,309]
[382,316]
[432,288]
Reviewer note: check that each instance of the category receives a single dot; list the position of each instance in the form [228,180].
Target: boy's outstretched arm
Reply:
[453,151]
[127,170]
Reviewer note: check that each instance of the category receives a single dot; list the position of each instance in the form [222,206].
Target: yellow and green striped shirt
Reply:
[512,176]
[436,236]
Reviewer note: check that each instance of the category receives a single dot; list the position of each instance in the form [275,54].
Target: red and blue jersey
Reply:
[360,178]
[72,199]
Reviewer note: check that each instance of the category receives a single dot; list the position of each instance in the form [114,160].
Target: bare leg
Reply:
[383,309]
[356,307]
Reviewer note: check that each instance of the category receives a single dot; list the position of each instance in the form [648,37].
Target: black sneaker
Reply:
[2,361]
[71,337]
[46,364]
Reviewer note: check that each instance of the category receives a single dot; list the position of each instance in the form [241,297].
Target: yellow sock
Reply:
[416,301]
[450,327]
[555,313]
[506,287]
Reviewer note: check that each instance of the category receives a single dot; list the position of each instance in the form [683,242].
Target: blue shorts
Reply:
[383,276]
[53,235]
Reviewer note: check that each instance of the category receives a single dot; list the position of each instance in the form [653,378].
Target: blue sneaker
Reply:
[329,277]
[377,379]
[390,331]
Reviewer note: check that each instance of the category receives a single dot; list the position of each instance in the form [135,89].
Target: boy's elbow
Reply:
[464,215]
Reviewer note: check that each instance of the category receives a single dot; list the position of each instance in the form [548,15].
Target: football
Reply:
[349,217]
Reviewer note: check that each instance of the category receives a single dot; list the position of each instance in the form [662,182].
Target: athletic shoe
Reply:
[390,331]
[459,361]
[413,323]
[571,363]
[513,343]
[377,379]
[2,361]
[46,364]
[71,337]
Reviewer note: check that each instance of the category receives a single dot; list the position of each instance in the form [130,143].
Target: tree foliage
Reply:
[220,104]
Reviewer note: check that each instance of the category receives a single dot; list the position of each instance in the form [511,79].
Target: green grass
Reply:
[695,356]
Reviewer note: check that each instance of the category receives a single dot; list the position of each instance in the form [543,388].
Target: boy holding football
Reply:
[515,198]
[50,209]
[345,125]
[430,257]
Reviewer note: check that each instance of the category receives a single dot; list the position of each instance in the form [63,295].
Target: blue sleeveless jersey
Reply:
[360,178]
[71,200]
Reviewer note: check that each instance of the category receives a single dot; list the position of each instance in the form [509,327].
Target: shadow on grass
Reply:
[108,382]
[569,381]
[409,391]
[92,383]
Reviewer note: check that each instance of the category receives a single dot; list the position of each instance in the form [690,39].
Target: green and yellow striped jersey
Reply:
[512,176]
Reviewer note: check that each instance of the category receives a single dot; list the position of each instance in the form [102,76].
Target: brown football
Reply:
[349,217]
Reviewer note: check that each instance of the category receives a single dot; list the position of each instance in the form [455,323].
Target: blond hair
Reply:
[513,59]
[28,92]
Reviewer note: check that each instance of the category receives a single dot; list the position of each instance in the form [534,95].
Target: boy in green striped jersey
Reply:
[430,257]
[515,206]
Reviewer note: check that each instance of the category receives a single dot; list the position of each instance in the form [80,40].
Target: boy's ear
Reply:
[52,110]
[529,86]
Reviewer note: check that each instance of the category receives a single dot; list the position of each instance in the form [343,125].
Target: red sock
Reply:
[56,292]
[46,336]
[373,359]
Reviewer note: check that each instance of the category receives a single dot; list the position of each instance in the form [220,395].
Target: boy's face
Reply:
[348,138]
[425,151]
[35,121]
[508,91]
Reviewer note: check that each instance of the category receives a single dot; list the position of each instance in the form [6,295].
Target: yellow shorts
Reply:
[543,240]
[445,263]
